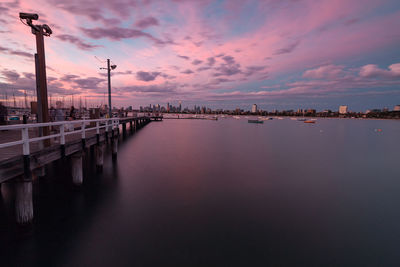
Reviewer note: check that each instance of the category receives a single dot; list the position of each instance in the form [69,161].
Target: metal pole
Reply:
[109,88]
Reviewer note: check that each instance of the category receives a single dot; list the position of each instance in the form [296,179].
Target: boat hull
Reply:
[255,121]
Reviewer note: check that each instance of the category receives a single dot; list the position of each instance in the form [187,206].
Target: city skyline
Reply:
[220,54]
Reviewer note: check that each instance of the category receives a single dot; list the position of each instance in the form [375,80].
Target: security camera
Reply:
[47,30]
[113,67]
[29,16]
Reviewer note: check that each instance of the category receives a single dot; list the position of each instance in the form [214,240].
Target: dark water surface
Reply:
[222,193]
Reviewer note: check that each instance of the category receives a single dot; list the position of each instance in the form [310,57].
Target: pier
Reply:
[24,153]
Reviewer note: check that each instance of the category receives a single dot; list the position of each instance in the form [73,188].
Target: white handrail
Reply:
[25,140]
[44,124]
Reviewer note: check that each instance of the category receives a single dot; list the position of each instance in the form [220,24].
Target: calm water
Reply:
[222,193]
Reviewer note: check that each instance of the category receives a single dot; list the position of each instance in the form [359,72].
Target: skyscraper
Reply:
[254,108]
[343,110]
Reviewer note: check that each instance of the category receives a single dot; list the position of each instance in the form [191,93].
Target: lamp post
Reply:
[109,68]
[40,66]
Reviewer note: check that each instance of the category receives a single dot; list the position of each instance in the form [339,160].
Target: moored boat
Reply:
[255,121]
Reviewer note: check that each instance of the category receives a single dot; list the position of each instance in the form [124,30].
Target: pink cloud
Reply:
[373,71]
[292,35]
[324,72]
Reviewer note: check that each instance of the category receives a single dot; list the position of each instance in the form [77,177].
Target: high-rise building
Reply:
[254,108]
[168,107]
[343,110]
[180,106]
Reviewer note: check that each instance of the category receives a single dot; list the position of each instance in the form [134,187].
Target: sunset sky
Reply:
[279,54]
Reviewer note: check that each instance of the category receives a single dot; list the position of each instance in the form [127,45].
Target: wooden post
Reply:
[23,201]
[41,82]
[106,132]
[62,140]
[99,157]
[83,136]
[130,127]
[77,172]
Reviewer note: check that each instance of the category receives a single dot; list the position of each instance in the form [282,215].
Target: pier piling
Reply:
[23,201]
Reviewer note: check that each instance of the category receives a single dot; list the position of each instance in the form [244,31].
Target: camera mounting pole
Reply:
[41,81]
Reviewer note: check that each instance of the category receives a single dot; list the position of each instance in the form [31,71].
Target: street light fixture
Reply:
[109,68]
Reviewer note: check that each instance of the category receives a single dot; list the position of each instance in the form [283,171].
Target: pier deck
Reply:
[12,158]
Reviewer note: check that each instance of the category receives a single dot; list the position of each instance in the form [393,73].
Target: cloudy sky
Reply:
[279,54]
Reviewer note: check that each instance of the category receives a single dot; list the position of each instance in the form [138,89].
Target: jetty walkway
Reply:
[24,152]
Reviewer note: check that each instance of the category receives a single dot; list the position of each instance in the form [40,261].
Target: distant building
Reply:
[396,108]
[311,111]
[254,108]
[343,110]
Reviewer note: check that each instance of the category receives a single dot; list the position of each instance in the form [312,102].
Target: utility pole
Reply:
[109,68]
[109,88]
